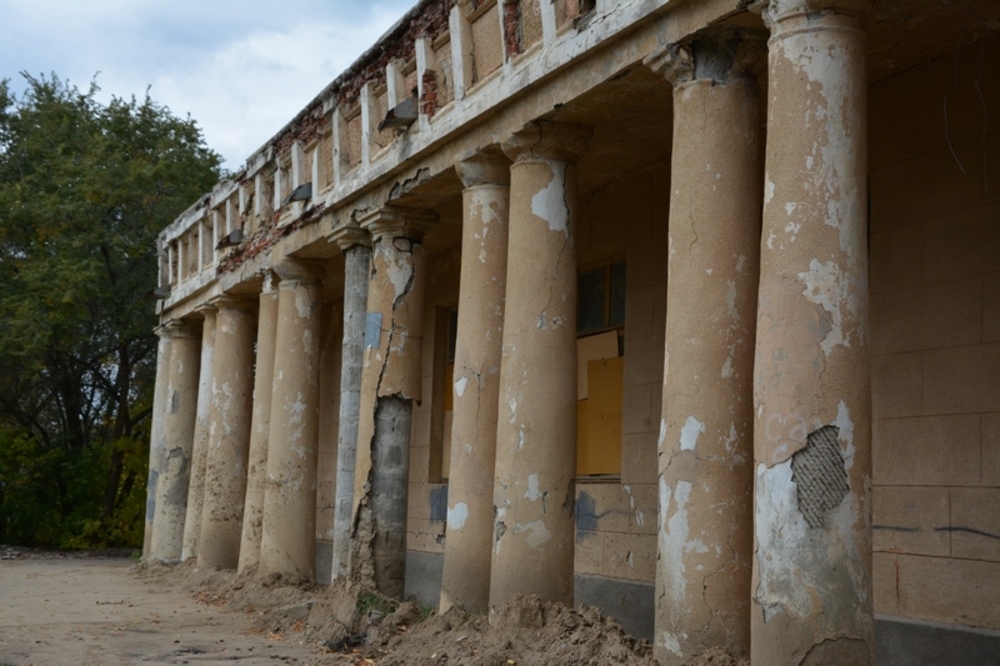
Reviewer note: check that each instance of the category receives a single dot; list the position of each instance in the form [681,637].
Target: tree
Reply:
[84,190]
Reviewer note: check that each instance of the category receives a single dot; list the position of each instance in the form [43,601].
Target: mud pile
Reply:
[363,627]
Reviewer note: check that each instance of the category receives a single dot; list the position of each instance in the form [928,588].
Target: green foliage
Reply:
[84,190]
[373,601]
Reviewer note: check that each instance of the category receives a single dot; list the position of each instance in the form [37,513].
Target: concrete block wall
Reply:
[935,318]
[617,518]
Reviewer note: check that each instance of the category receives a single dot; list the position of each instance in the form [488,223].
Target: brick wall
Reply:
[935,323]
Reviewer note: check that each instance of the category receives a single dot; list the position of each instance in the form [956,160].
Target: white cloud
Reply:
[241,69]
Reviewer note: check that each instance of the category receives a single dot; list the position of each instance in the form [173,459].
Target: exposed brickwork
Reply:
[512,27]
[265,238]
[429,102]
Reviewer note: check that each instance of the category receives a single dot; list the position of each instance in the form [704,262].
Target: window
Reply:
[600,369]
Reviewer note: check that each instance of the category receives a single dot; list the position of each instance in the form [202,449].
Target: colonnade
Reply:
[764,450]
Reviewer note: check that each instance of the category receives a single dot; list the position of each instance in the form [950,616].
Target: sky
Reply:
[241,68]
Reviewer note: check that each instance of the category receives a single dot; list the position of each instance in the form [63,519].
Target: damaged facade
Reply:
[689,310]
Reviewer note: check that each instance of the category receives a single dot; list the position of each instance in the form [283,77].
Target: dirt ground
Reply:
[80,610]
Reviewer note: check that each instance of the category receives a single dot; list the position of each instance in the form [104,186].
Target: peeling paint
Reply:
[690,432]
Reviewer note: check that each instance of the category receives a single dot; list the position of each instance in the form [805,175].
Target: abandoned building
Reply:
[687,309]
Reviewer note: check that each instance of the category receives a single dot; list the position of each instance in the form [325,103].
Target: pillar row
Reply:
[178,440]
[465,580]
[533,497]
[229,434]
[288,533]
[705,535]
[811,591]
[199,452]
[356,247]
[156,443]
[260,420]
[391,382]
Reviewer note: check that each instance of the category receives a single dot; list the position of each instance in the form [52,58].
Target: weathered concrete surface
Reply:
[199,451]
[536,432]
[486,203]
[812,591]
[705,537]
[156,444]
[229,440]
[390,383]
[288,540]
[178,439]
[253,505]
[356,246]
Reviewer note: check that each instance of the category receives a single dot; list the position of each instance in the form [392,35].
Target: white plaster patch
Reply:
[457,516]
[826,287]
[550,203]
[846,433]
[781,532]
[460,384]
[303,304]
[727,368]
[768,191]
[689,433]
[663,433]
[674,544]
[670,642]
[538,533]
[533,493]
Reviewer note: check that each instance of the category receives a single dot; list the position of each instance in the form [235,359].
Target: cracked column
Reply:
[156,444]
[356,247]
[253,506]
[196,487]
[705,537]
[390,384]
[533,494]
[178,440]
[230,419]
[288,533]
[465,580]
[812,595]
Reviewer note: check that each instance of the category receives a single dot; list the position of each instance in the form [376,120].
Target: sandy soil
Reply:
[79,611]
[83,611]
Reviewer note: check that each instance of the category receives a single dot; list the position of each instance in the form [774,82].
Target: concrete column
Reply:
[465,580]
[536,432]
[390,383]
[705,536]
[178,441]
[156,445]
[253,506]
[812,593]
[196,487]
[229,441]
[288,538]
[356,246]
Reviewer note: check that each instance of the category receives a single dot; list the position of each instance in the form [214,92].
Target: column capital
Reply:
[348,235]
[484,168]
[230,302]
[548,140]
[207,308]
[719,55]
[178,328]
[298,270]
[397,222]
[775,11]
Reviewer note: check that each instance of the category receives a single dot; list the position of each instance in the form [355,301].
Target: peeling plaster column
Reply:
[196,487]
[253,506]
[533,492]
[465,581]
[288,538]
[812,594]
[156,444]
[390,384]
[178,441]
[705,536]
[356,246]
[229,439]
